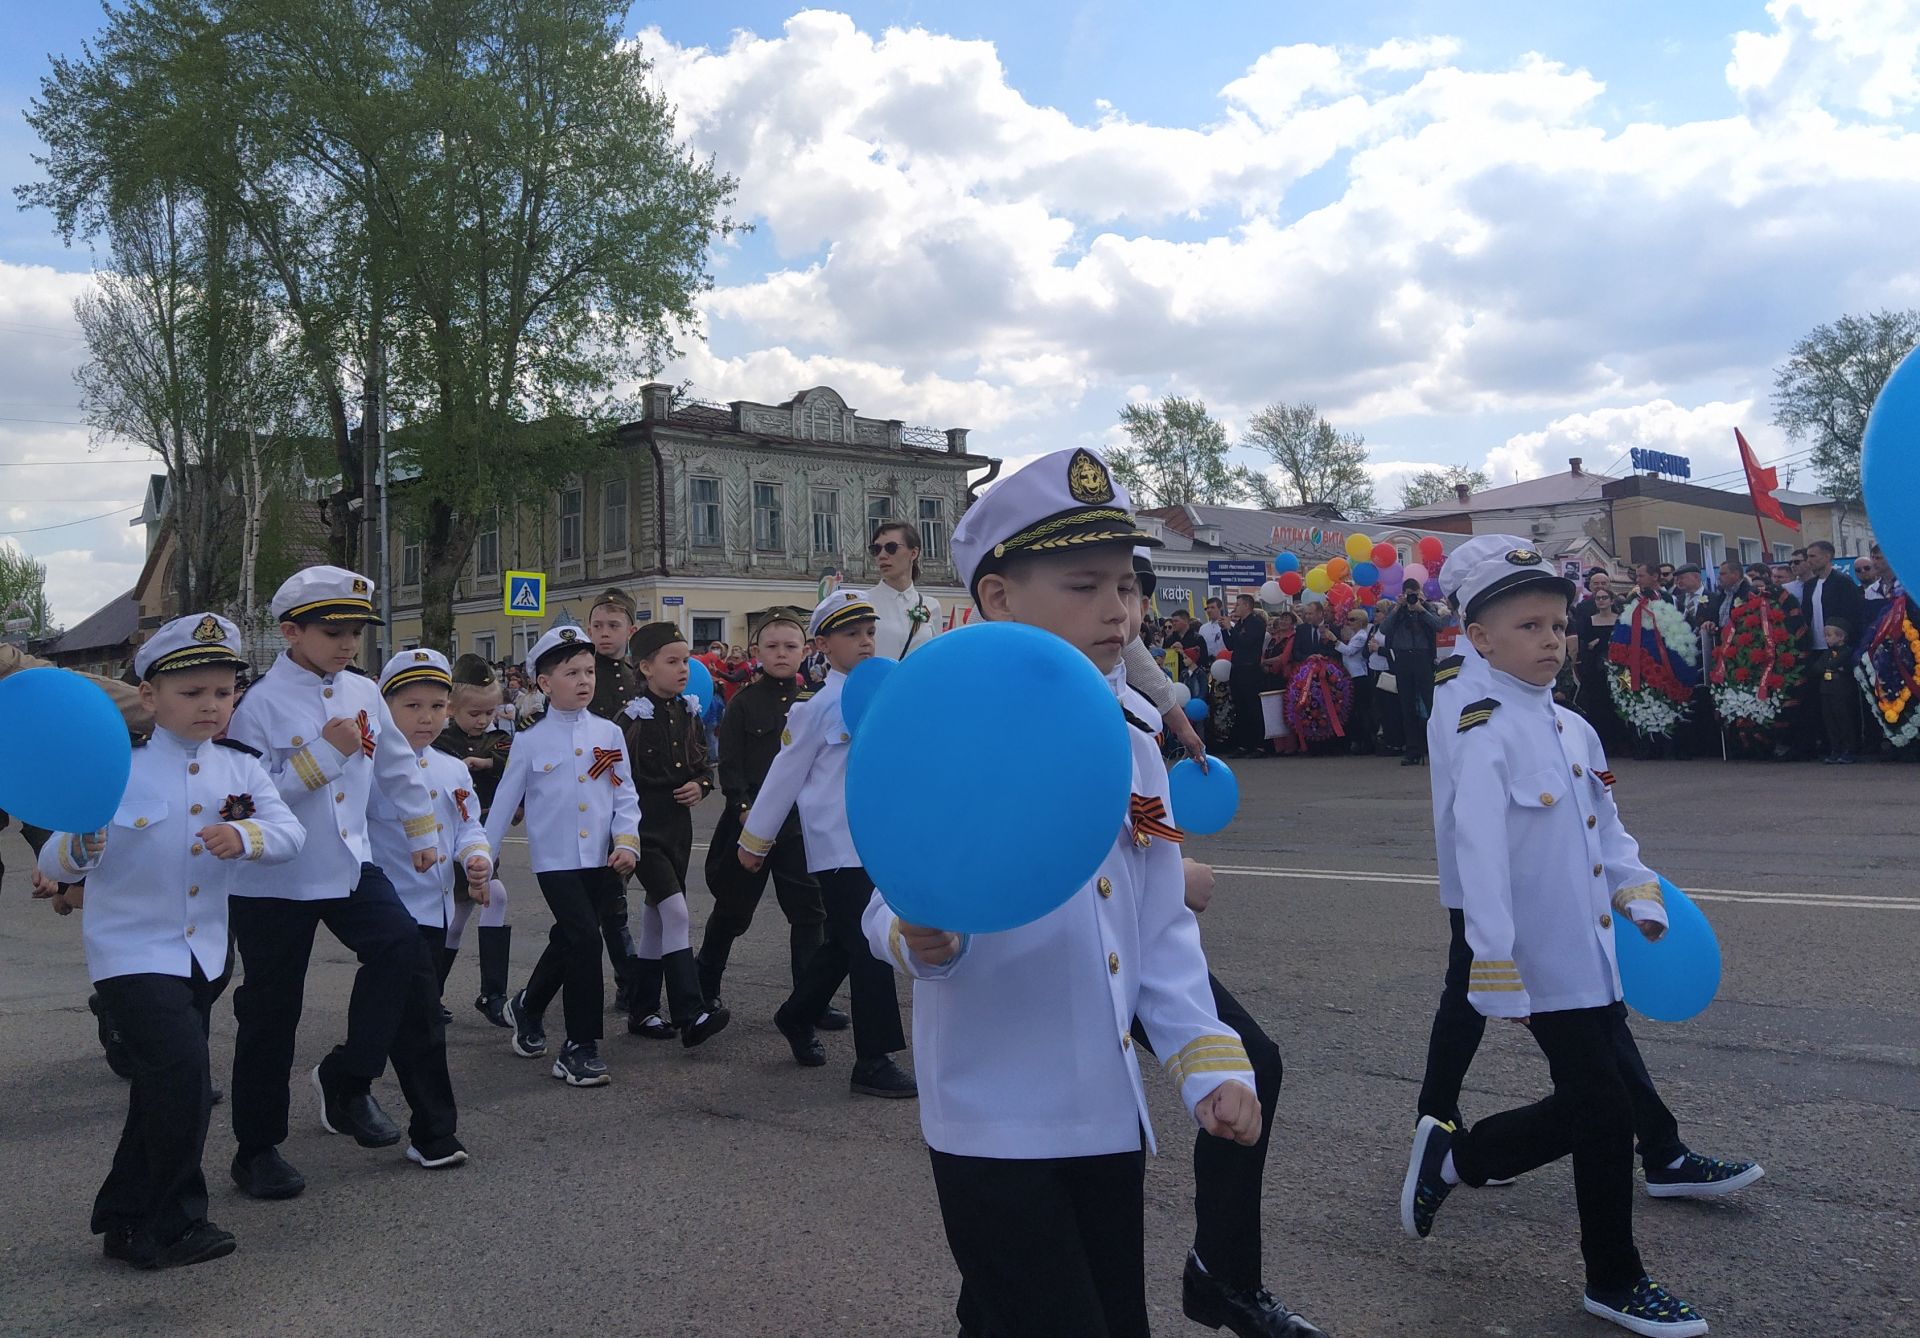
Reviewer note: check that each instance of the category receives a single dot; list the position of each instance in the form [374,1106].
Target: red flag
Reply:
[1761,483]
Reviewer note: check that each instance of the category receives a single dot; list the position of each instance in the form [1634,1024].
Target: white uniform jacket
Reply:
[281,717]
[1457,680]
[1023,1042]
[156,900]
[457,835]
[893,636]
[1544,860]
[810,769]
[570,770]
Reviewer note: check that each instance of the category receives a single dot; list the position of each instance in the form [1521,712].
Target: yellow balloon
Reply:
[1359,547]
[1318,581]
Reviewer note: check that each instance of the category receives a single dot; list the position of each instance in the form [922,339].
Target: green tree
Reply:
[1318,466]
[1826,388]
[1437,485]
[23,590]
[1176,455]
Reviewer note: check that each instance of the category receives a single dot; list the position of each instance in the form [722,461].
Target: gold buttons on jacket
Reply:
[1596,871]
[297,740]
[343,834]
[340,797]
[583,808]
[139,822]
[1105,887]
[326,692]
[197,848]
[1592,821]
[1606,921]
[193,768]
[1142,840]
[1577,771]
[423,764]
[583,831]
[195,809]
[194,891]
[1546,799]
[1113,963]
[1126,1040]
[433,794]
[577,752]
[190,929]
[582,780]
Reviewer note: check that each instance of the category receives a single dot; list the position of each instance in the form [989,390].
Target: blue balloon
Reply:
[67,754]
[1675,978]
[1890,467]
[700,683]
[857,693]
[1203,801]
[1365,574]
[1285,562]
[1028,837]
[1196,709]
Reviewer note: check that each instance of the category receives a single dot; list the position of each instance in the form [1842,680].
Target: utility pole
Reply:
[369,475]
[386,525]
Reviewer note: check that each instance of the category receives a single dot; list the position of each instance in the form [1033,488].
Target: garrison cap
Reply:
[649,640]
[1057,504]
[192,642]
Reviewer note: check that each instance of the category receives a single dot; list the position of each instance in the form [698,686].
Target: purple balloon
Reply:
[1431,589]
[1390,578]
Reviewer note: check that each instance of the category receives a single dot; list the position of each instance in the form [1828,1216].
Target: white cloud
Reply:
[1854,55]
[1419,53]
[1602,438]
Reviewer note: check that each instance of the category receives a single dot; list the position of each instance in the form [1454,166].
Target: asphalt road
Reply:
[725,1191]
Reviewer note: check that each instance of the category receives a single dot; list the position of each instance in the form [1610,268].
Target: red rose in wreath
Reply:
[1741,674]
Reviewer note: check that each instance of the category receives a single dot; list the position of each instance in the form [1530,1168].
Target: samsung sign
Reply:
[1659,462]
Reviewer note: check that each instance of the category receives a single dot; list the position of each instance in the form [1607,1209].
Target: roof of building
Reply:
[113,624]
[1247,530]
[1792,498]
[1547,490]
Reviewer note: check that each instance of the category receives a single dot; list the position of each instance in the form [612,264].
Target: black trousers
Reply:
[570,963]
[1227,1178]
[1455,1038]
[1386,709]
[1051,1248]
[1249,722]
[1413,675]
[1840,711]
[394,1010]
[666,846]
[1360,725]
[156,1185]
[1587,1116]
[844,956]
[737,893]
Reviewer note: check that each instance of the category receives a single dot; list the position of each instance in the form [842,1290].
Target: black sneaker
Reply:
[1424,1190]
[1698,1177]
[437,1153]
[1647,1309]
[808,1053]
[129,1245]
[266,1175]
[196,1245]
[832,1019]
[653,1027]
[354,1113]
[1250,1313]
[882,1077]
[580,1065]
[709,1024]
[529,1036]
[493,1007]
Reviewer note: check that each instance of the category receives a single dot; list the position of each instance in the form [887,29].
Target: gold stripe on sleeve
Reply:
[416,828]
[255,838]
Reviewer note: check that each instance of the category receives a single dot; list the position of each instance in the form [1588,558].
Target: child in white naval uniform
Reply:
[327,740]
[1552,867]
[1030,1094]
[583,836]
[155,927]
[418,685]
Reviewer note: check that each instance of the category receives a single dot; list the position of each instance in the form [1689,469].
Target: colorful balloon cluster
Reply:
[1369,570]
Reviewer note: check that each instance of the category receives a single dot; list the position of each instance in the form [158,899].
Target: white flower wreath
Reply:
[1672,626]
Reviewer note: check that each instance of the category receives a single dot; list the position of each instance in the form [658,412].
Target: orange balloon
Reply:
[1339,568]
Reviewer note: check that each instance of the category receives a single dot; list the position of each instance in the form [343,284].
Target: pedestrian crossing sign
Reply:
[527,594]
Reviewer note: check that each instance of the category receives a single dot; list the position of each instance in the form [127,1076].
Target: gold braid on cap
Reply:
[1036,538]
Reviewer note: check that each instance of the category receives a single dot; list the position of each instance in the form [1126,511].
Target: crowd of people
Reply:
[1779,664]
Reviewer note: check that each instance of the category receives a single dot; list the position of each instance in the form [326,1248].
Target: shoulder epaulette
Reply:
[1448,669]
[1137,722]
[806,696]
[1478,713]
[238,747]
[141,742]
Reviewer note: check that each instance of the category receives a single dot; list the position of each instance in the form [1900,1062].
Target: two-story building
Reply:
[711,516]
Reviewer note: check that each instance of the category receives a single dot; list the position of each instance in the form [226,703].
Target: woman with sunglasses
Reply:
[908,619]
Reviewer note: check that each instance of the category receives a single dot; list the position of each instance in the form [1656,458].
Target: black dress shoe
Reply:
[708,1024]
[354,1113]
[129,1245]
[808,1053]
[1249,1312]
[832,1019]
[653,1027]
[883,1077]
[267,1175]
[199,1243]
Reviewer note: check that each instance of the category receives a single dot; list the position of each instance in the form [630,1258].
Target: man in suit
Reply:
[1825,595]
[1733,588]
[1245,642]
[1700,734]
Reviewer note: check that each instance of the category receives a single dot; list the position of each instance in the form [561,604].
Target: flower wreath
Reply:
[1889,672]
[1756,665]
[1656,663]
[1319,695]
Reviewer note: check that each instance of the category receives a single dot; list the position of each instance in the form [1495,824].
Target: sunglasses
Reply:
[890,547]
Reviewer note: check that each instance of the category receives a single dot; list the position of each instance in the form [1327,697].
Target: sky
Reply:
[1491,234]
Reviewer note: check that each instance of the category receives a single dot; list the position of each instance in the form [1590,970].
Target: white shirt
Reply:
[282,717]
[894,637]
[1451,691]
[1353,653]
[1552,866]
[810,769]
[457,833]
[1813,593]
[1215,636]
[574,818]
[1022,1043]
[156,900]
